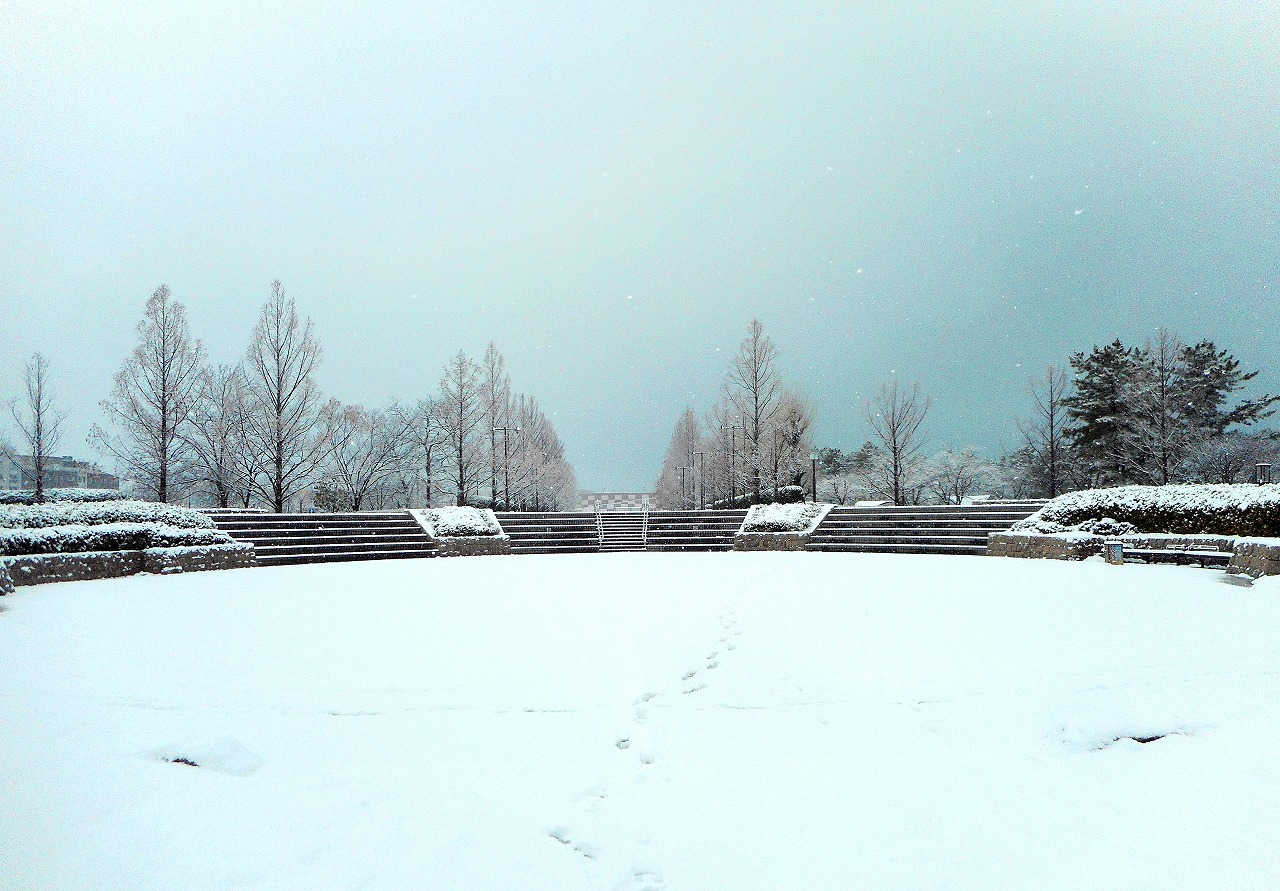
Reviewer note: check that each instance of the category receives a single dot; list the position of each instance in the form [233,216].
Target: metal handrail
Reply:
[600,526]
[644,530]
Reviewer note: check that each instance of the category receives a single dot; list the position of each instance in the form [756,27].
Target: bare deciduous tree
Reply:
[755,390]
[896,416]
[216,437]
[1046,433]
[368,450]
[39,423]
[155,392]
[955,475]
[461,414]
[287,426]
[495,394]
[676,486]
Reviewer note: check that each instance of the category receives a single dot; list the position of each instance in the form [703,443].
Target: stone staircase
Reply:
[933,529]
[281,539]
[694,530]
[622,530]
[551,533]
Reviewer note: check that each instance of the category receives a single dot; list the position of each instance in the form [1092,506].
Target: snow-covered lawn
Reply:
[689,721]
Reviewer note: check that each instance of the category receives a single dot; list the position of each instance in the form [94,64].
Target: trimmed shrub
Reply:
[1238,509]
[81,513]
[28,496]
[450,522]
[781,517]
[106,537]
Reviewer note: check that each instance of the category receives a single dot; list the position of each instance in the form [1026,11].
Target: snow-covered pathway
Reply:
[694,721]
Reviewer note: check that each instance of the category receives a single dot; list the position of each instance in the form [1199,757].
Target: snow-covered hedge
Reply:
[105,537]
[1238,509]
[451,522]
[100,513]
[800,517]
[28,496]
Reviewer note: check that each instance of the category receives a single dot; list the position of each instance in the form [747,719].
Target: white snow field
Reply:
[687,721]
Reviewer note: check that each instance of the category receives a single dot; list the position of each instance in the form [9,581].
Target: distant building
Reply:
[637,501]
[62,472]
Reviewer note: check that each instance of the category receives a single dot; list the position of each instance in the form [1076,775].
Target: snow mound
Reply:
[224,755]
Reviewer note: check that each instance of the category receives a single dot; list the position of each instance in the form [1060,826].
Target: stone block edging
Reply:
[1252,557]
[770,541]
[472,545]
[41,569]
[1255,557]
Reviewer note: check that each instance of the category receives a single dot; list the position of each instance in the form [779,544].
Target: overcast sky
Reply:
[955,193]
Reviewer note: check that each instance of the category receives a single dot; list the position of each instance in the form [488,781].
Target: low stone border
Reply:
[1255,557]
[1251,557]
[1039,546]
[41,569]
[770,541]
[472,545]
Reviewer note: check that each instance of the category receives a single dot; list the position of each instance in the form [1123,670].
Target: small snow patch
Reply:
[226,755]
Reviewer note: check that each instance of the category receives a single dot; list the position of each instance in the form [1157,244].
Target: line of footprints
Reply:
[639,742]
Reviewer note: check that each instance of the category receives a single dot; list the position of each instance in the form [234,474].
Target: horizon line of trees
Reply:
[260,433]
[1160,413]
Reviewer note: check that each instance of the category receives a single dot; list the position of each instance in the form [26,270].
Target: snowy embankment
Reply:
[689,721]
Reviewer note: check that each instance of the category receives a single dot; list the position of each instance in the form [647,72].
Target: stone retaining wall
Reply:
[1035,545]
[1255,558]
[770,541]
[40,569]
[472,545]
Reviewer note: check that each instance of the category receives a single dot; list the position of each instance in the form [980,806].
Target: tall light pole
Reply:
[733,449]
[700,461]
[506,465]
[813,464]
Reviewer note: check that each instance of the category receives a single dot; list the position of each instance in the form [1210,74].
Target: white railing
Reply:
[600,526]
[644,530]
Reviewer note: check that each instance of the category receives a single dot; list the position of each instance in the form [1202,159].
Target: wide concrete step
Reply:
[904,548]
[344,547]
[974,540]
[340,557]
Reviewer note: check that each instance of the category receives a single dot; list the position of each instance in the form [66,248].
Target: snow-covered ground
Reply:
[689,721]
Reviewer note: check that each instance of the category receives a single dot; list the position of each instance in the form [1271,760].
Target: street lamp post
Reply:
[813,465]
[700,461]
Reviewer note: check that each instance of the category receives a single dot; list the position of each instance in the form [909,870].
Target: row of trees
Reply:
[261,432]
[751,445]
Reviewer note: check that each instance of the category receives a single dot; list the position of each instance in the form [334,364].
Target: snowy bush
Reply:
[28,496]
[782,517]
[99,513]
[104,537]
[451,522]
[1106,527]
[1192,510]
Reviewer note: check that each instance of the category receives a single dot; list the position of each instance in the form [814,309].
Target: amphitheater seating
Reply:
[551,533]
[321,537]
[940,529]
[324,538]
[694,530]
